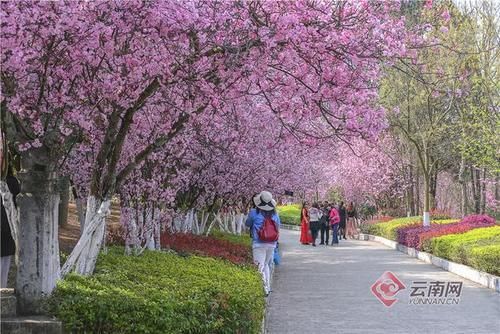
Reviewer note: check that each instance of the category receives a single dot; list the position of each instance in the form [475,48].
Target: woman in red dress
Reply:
[305,232]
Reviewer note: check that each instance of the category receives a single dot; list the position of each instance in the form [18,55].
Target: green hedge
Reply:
[389,229]
[161,292]
[290,214]
[468,248]
[243,239]
[486,258]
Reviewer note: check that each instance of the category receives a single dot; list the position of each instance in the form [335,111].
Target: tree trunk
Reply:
[433,188]
[64,200]
[128,218]
[408,202]
[427,199]
[81,212]
[84,255]
[417,194]
[411,192]
[497,188]
[37,258]
[483,192]
[476,189]
[10,209]
[239,223]
[463,197]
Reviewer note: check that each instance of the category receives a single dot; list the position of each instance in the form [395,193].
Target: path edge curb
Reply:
[290,227]
[480,277]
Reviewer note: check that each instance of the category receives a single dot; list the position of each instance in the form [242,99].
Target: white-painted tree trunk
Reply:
[80,210]
[239,223]
[196,224]
[427,219]
[204,220]
[37,255]
[214,221]
[10,209]
[129,224]
[84,255]
[157,232]
[233,222]
[151,224]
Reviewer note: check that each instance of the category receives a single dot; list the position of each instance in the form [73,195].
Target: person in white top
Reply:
[314,219]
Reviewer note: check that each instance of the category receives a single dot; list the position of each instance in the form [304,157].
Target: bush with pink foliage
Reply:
[415,236]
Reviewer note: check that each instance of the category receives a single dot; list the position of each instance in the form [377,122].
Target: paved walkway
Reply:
[327,290]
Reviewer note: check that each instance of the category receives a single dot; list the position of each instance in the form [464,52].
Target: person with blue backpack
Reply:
[264,224]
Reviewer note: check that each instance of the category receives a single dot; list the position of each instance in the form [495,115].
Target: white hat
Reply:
[265,201]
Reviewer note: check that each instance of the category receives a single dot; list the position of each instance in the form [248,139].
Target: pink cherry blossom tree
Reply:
[108,87]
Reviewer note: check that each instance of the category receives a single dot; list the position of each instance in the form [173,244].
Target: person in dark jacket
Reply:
[325,224]
[343,220]
[8,246]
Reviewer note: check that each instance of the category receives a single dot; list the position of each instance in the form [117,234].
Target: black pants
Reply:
[342,229]
[325,230]
[314,226]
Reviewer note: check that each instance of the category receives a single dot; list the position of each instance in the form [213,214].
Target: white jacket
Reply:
[315,214]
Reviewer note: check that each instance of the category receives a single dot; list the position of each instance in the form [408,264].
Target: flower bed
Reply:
[389,229]
[415,235]
[160,292]
[207,246]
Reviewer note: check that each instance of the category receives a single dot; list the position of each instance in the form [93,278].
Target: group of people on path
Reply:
[321,218]
[264,224]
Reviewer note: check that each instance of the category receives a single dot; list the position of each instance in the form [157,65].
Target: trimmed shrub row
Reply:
[486,258]
[161,292]
[243,239]
[290,214]
[414,236]
[389,229]
[474,241]
[457,247]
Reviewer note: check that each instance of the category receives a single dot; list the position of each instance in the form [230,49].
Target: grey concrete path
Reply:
[327,290]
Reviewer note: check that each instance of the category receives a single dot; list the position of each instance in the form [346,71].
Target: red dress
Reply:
[305,232]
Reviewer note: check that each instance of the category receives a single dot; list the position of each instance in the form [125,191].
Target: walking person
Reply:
[351,215]
[8,247]
[305,232]
[264,225]
[334,222]
[343,220]
[325,224]
[314,221]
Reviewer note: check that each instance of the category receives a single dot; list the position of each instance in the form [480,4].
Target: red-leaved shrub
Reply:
[207,246]
[415,235]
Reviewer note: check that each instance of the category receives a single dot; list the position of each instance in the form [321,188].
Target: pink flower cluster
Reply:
[414,236]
